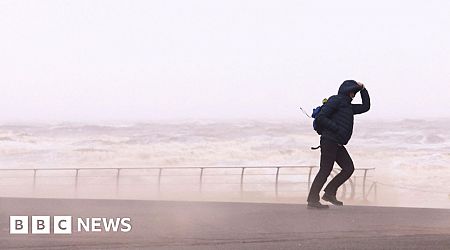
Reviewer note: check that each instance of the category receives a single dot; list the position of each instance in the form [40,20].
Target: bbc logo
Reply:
[40,224]
[63,224]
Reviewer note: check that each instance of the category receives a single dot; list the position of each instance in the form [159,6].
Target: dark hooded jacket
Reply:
[336,116]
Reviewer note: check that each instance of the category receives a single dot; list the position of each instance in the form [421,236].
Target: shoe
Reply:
[316,205]
[332,199]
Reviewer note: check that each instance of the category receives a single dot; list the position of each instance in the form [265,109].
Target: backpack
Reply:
[314,115]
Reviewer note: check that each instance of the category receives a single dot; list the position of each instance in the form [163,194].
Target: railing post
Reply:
[353,187]
[276,183]
[77,170]
[344,191]
[309,177]
[117,181]
[201,179]
[364,184]
[242,181]
[34,180]
[375,192]
[159,180]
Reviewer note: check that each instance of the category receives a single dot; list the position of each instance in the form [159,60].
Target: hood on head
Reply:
[349,86]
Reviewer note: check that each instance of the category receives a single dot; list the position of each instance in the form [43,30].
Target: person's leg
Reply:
[328,151]
[344,160]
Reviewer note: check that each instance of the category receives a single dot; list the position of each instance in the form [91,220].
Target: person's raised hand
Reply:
[360,84]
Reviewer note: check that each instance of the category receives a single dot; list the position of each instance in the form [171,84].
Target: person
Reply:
[336,121]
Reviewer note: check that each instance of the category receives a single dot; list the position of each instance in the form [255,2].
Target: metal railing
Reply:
[201,175]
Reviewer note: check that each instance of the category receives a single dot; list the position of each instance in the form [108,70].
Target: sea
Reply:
[411,158]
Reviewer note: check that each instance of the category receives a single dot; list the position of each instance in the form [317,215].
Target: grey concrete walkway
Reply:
[219,225]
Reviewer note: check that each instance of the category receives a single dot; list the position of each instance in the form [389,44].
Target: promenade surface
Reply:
[227,225]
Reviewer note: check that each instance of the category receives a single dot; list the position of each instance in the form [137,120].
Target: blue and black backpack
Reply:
[316,112]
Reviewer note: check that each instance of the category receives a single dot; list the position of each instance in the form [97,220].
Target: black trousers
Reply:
[331,152]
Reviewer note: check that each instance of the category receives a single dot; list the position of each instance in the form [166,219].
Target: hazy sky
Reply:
[109,60]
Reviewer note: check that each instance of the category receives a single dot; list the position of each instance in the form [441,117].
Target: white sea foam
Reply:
[412,153]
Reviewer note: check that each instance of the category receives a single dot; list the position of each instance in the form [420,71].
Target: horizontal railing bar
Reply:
[167,168]
[172,184]
[156,168]
[142,175]
[124,176]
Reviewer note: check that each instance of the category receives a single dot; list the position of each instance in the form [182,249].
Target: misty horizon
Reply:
[158,60]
